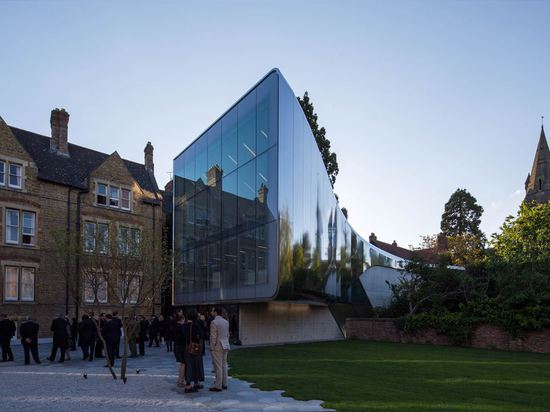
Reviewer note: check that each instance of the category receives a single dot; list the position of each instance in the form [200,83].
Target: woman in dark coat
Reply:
[86,337]
[179,347]
[192,333]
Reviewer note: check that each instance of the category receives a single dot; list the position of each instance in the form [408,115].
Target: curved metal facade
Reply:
[255,217]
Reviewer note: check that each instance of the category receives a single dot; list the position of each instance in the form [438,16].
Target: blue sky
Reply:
[418,98]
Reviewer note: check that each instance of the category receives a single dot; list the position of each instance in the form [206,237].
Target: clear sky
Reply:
[418,98]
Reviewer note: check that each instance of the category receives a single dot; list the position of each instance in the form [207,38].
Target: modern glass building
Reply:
[255,217]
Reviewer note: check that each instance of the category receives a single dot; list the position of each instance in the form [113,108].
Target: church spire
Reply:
[537,186]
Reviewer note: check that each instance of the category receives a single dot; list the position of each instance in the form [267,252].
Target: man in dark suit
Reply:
[29,340]
[110,333]
[143,327]
[99,342]
[7,331]
[118,322]
[60,338]
[86,337]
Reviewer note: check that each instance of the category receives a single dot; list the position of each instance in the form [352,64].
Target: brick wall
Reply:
[485,336]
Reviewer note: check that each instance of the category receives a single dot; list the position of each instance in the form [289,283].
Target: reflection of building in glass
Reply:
[255,220]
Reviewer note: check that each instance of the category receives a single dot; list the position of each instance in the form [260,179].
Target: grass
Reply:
[372,376]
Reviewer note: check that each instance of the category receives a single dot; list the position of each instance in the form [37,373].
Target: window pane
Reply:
[135,241]
[201,163]
[247,128]
[229,204]
[2,172]
[201,216]
[247,258]
[229,142]
[189,172]
[229,269]
[29,223]
[125,202]
[214,150]
[15,175]
[103,237]
[11,283]
[102,290]
[266,124]
[123,240]
[114,196]
[12,226]
[101,194]
[27,284]
[247,195]
[214,211]
[89,237]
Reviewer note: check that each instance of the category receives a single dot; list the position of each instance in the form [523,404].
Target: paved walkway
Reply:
[151,382]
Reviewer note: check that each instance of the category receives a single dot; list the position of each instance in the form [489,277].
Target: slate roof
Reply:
[75,169]
[428,255]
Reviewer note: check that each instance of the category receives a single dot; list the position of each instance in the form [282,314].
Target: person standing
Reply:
[179,347]
[99,343]
[133,332]
[7,331]
[118,323]
[192,338]
[154,331]
[28,330]
[219,348]
[169,333]
[143,327]
[59,329]
[111,335]
[86,337]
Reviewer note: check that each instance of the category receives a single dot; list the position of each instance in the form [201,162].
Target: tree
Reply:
[127,266]
[329,157]
[526,238]
[462,215]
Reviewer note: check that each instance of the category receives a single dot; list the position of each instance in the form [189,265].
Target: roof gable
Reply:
[75,169]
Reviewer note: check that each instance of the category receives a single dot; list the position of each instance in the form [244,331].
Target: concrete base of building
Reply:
[279,322]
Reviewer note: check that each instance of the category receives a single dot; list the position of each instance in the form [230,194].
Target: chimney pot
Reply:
[372,238]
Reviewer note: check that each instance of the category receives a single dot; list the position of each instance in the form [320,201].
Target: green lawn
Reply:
[371,376]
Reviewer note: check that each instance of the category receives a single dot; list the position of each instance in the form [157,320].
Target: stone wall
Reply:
[286,322]
[485,336]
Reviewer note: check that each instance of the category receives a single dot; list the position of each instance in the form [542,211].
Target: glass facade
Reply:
[255,217]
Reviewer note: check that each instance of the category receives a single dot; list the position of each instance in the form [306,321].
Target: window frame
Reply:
[114,196]
[20,227]
[102,285]
[19,269]
[32,235]
[8,226]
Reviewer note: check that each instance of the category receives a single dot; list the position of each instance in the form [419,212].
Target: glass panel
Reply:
[247,128]
[12,226]
[11,283]
[103,237]
[125,202]
[214,211]
[123,240]
[266,186]
[189,173]
[114,193]
[247,195]
[28,229]
[201,217]
[135,240]
[229,269]
[89,236]
[266,124]
[214,153]
[201,163]
[188,219]
[102,290]
[229,204]
[27,284]
[15,175]
[213,283]
[229,142]
[101,194]
[247,260]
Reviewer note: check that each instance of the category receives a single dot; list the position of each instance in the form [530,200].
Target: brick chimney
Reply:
[262,193]
[149,165]
[59,121]
[372,238]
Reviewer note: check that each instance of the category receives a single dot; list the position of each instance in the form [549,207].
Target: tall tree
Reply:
[462,215]
[329,157]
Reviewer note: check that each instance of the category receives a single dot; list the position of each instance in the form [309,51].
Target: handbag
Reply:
[193,348]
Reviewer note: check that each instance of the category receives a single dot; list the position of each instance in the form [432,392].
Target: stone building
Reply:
[537,184]
[47,186]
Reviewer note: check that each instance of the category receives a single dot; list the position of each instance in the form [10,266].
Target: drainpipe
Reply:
[68,245]
[78,239]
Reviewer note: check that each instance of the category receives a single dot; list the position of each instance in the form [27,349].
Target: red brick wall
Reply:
[485,336]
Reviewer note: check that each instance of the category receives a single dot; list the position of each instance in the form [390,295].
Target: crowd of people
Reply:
[183,334]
